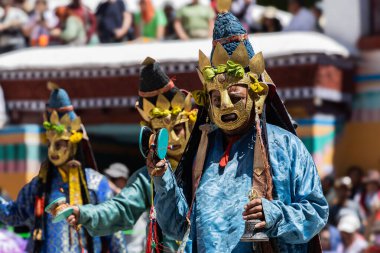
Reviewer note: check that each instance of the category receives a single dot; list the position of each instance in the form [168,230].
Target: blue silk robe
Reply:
[297,213]
[56,236]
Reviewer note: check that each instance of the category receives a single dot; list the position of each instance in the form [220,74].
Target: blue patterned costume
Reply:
[297,213]
[57,236]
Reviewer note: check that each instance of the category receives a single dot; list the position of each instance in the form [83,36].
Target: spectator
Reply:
[328,189]
[170,17]
[343,205]
[356,174]
[270,22]
[88,18]
[41,21]
[24,5]
[71,29]
[113,21]
[317,10]
[118,173]
[243,10]
[213,5]
[11,22]
[369,199]
[352,241]
[330,239]
[303,19]
[375,240]
[194,21]
[150,22]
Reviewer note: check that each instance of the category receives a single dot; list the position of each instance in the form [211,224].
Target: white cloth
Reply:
[304,20]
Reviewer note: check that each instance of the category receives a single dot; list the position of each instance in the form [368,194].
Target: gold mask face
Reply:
[227,115]
[230,71]
[60,149]
[62,136]
[178,137]
[176,116]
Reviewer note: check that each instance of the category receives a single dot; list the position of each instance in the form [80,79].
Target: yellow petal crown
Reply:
[178,110]
[65,127]
[234,68]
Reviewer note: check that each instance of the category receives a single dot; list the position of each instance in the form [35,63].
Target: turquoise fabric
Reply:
[297,213]
[56,236]
[122,211]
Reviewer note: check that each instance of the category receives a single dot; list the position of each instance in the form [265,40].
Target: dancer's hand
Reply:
[254,211]
[156,167]
[74,217]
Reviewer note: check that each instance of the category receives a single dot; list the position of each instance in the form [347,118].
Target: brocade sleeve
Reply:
[21,211]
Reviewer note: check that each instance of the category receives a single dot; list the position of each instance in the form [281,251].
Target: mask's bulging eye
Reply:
[222,78]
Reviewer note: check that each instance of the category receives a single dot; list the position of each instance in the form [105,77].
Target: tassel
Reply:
[152,239]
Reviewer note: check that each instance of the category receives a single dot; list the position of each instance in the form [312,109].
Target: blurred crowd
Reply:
[354,219]
[112,22]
